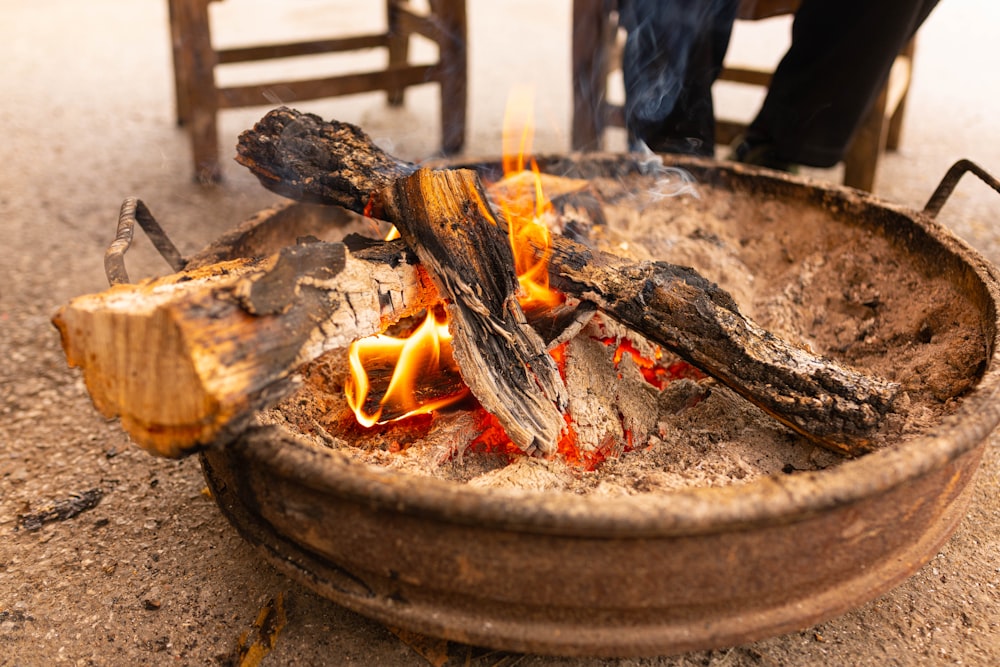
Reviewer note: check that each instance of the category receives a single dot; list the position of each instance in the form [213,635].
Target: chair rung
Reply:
[752,77]
[312,89]
[295,49]
[413,23]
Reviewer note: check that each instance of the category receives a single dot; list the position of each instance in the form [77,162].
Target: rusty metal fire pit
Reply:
[646,574]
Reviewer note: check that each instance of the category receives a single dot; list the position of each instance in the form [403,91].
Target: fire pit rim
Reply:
[696,510]
[683,511]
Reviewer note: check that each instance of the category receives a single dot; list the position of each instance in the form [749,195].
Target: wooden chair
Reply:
[596,53]
[199,99]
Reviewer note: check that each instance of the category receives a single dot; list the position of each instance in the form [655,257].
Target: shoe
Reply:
[676,146]
[761,154]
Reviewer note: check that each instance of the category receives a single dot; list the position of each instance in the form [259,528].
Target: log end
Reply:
[138,365]
[301,156]
[155,393]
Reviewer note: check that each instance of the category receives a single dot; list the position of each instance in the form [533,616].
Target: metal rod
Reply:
[950,180]
[134,210]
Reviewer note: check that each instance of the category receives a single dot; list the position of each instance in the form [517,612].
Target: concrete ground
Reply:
[153,574]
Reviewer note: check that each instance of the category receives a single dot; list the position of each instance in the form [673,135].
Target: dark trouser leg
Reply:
[672,55]
[840,57]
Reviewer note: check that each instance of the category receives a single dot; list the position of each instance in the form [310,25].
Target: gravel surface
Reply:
[108,556]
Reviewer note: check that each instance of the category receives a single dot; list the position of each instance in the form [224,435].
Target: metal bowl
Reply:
[650,574]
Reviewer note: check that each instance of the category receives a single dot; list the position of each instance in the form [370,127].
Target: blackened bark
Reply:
[290,153]
[445,218]
[674,306]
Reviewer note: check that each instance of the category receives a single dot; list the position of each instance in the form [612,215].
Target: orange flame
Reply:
[422,356]
[518,129]
[526,208]
[415,358]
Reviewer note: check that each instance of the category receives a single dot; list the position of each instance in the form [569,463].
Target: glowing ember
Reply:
[493,440]
[653,370]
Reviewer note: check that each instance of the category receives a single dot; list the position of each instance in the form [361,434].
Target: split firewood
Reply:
[187,359]
[834,406]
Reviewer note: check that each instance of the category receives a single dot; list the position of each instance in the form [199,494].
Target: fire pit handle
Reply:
[134,210]
[950,180]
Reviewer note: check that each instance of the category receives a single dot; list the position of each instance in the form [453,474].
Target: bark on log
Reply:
[679,309]
[834,406]
[185,360]
[445,218]
[287,151]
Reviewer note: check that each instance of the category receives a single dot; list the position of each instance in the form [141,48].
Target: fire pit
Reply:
[704,523]
[653,569]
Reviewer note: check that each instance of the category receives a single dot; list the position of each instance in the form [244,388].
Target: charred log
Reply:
[444,217]
[186,360]
[288,151]
[676,307]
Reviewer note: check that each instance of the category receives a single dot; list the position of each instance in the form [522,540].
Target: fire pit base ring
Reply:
[713,616]
[649,574]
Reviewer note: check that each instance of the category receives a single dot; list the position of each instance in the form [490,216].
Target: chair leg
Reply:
[894,135]
[454,81]
[183,106]
[198,60]
[589,53]
[895,132]
[399,49]
[861,159]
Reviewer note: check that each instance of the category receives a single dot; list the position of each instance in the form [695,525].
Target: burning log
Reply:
[834,406]
[443,216]
[185,360]
[679,309]
[503,360]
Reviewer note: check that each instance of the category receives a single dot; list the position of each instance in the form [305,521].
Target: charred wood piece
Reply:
[61,510]
[186,360]
[287,151]
[674,306]
[444,217]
